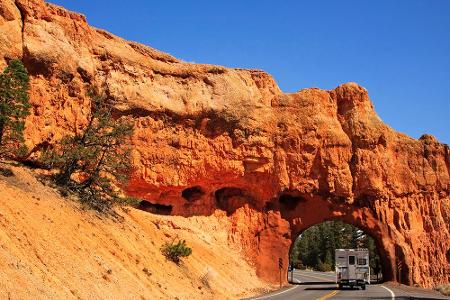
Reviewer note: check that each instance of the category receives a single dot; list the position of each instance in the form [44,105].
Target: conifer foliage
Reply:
[175,251]
[14,108]
[93,160]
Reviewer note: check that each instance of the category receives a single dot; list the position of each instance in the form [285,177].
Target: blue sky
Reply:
[398,50]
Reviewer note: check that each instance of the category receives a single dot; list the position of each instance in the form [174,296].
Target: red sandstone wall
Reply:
[240,143]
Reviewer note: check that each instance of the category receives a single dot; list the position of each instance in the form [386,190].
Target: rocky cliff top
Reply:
[329,140]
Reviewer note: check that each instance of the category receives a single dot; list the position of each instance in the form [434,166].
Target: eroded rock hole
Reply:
[37,66]
[448,256]
[269,206]
[155,208]
[85,76]
[290,200]
[229,199]
[192,194]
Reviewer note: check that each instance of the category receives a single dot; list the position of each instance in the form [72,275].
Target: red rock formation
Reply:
[209,138]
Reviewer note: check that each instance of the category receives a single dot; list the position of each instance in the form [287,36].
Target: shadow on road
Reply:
[320,283]
[328,288]
[313,283]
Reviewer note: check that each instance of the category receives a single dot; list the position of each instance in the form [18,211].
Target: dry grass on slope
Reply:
[444,289]
[52,249]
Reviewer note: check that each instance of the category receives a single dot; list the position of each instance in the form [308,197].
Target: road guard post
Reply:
[280,266]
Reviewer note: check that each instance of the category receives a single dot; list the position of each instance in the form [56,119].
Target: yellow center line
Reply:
[329,295]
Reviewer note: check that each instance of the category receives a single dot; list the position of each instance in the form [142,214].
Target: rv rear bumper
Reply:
[351,282]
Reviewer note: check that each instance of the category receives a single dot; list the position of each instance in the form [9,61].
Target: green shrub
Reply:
[94,161]
[175,251]
[14,108]
[323,266]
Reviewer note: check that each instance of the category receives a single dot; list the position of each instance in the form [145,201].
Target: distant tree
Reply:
[328,260]
[323,266]
[14,108]
[92,161]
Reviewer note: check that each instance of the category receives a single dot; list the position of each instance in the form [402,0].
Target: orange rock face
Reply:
[209,137]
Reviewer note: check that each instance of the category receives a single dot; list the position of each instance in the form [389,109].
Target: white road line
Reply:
[390,291]
[276,294]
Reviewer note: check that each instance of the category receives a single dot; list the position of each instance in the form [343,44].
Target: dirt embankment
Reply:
[52,249]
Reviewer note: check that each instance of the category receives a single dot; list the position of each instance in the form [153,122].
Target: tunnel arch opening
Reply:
[312,253]
[316,209]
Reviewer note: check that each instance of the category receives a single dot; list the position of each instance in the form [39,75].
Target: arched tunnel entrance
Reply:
[311,216]
[312,257]
[266,229]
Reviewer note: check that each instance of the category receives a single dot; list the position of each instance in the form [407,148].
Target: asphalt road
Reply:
[322,286]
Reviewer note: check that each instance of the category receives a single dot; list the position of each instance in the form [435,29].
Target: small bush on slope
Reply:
[444,289]
[175,251]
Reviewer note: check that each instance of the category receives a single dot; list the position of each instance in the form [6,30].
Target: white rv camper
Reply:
[352,267]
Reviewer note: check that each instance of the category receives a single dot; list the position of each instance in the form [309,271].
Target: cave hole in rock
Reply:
[230,199]
[192,194]
[290,199]
[268,205]
[312,254]
[155,208]
[448,256]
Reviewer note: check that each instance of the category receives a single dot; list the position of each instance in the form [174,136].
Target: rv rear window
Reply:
[362,261]
[351,260]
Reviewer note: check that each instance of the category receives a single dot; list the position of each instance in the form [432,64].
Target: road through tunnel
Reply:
[314,250]
[310,157]
[314,214]
[211,140]
[266,229]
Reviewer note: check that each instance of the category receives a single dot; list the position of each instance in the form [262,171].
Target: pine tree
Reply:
[92,161]
[328,260]
[14,108]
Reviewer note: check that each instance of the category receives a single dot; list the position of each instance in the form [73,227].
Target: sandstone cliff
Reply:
[209,137]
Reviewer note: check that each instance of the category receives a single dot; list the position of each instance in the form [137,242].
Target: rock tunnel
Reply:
[277,182]
[215,140]
[268,231]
